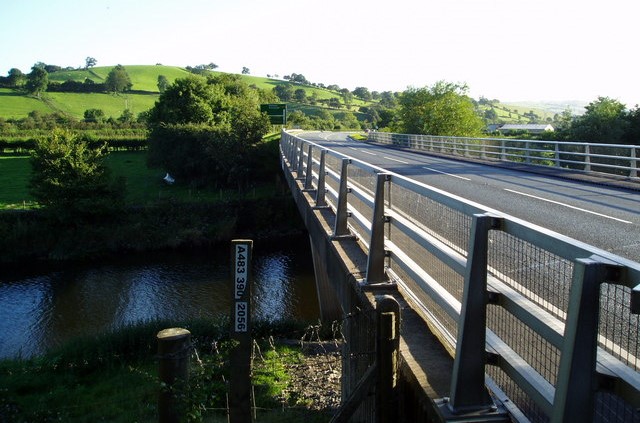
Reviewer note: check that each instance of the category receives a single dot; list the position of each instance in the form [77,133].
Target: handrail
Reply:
[535,289]
[615,159]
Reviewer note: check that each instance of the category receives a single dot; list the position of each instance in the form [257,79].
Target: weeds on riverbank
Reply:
[113,377]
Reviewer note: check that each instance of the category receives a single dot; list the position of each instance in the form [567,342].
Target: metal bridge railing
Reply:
[617,159]
[557,319]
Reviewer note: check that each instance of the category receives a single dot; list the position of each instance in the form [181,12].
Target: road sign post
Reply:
[240,380]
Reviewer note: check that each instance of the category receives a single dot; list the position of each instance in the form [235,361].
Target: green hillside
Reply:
[14,105]
[144,79]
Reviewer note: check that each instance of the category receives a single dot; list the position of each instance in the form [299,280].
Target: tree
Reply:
[363,93]
[605,121]
[347,97]
[203,130]
[163,83]
[118,80]
[443,109]
[490,114]
[94,115]
[71,180]
[245,71]
[37,80]
[301,95]
[90,62]
[284,92]
[16,78]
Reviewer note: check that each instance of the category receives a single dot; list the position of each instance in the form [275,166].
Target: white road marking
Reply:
[396,160]
[567,205]
[368,152]
[448,174]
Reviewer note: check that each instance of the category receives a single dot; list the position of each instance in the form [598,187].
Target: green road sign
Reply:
[277,113]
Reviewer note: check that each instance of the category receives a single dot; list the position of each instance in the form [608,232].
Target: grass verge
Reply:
[113,377]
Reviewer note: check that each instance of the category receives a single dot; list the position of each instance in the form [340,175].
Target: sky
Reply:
[511,50]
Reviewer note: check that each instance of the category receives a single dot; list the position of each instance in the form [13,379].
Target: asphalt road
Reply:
[604,217]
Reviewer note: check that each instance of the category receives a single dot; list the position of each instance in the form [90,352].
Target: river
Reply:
[43,307]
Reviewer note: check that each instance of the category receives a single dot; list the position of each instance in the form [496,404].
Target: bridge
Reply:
[495,318]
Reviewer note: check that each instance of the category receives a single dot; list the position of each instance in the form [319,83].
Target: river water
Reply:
[43,307]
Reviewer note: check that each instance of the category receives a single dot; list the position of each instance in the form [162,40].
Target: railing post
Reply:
[527,154]
[375,263]
[587,158]
[340,228]
[300,165]
[468,391]
[577,379]
[633,173]
[503,150]
[308,181]
[293,154]
[322,174]
[556,157]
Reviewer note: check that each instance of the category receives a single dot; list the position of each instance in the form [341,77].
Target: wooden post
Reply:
[174,347]
[240,380]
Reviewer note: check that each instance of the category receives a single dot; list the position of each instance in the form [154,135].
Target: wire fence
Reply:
[297,378]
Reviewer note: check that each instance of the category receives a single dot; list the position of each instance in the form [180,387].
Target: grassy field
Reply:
[14,105]
[14,179]
[75,104]
[144,185]
[143,77]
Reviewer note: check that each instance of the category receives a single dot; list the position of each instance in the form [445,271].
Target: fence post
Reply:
[322,174]
[300,166]
[468,391]
[294,155]
[308,181]
[557,154]
[387,346]
[503,150]
[587,158]
[375,261]
[174,348]
[527,152]
[340,228]
[577,380]
[634,164]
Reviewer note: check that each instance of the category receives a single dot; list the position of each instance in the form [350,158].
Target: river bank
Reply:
[28,236]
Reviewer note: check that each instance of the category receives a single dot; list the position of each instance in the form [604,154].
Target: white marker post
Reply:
[240,383]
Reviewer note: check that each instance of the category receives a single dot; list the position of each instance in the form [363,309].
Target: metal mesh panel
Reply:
[618,327]
[436,312]
[610,408]
[448,225]
[533,348]
[364,181]
[539,275]
[526,405]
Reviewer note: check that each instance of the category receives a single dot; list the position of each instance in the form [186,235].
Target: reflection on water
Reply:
[49,306]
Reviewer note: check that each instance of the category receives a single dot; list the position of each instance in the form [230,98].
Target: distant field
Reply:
[143,77]
[14,105]
[75,104]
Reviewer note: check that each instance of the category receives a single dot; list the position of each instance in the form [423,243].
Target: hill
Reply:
[144,79]
[14,105]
